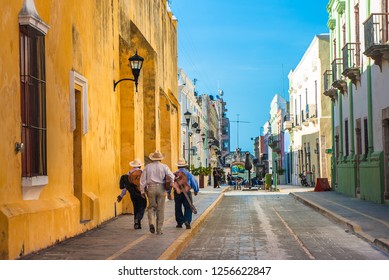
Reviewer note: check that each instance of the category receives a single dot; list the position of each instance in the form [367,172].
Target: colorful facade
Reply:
[68,135]
[358,87]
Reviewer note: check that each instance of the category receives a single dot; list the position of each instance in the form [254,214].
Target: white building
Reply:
[191,139]
[309,122]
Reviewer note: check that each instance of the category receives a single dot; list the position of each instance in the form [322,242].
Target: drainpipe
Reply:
[369,99]
[351,95]
[340,95]
[351,122]
[333,159]
[340,104]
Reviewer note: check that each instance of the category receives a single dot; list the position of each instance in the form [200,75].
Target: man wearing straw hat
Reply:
[180,199]
[130,182]
[152,182]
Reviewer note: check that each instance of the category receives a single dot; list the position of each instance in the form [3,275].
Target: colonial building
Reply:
[275,138]
[193,125]
[223,131]
[308,122]
[358,87]
[69,130]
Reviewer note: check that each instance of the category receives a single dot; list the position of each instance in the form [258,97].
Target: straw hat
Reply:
[182,162]
[157,155]
[136,163]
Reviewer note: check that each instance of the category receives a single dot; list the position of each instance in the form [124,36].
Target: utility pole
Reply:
[237,129]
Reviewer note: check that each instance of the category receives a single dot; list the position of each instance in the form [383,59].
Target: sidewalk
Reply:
[366,219]
[116,238]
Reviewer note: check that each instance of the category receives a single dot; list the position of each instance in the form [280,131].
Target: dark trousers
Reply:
[216,182]
[179,201]
[139,204]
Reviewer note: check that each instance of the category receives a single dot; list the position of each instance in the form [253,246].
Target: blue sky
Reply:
[246,48]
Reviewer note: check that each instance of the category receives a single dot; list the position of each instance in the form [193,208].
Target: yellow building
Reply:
[67,135]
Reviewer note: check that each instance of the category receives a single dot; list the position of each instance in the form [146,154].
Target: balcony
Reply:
[338,82]
[327,77]
[328,89]
[351,61]
[274,143]
[376,37]
[311,113]
[288,122]
[297,123]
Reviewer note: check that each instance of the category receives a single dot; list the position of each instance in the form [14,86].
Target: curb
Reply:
[172,252]
[356,228]
[382,244]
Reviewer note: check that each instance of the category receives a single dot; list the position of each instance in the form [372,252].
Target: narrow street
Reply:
[273,226]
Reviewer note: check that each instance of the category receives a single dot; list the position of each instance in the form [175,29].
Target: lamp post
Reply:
[187,116]
[136,63]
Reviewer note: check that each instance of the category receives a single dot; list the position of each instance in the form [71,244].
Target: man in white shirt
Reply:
[152,182]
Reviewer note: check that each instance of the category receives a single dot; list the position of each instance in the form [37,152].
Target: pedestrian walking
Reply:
[180,200]
[131,182]
[152,183]
[216,178]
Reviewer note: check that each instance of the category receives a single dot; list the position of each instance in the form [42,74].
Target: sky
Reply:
[247,49]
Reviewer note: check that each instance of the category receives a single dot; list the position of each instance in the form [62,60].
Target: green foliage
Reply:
[201,170]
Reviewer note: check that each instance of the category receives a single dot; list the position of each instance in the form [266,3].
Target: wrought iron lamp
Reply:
[187,116]
[136,63]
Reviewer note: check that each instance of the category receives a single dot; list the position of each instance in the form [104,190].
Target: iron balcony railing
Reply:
[337,69]
[274,142]
[327,76]
[351,55]
[288,122]
[376,30]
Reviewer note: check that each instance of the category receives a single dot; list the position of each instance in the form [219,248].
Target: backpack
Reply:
[134,178]
[124,183]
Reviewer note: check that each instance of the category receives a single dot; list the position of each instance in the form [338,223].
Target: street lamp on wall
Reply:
[136,63]
[187,116]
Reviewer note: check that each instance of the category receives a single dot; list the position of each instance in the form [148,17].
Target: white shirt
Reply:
[155,173]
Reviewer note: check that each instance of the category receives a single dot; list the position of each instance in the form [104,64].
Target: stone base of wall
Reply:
[372,178]
[29,226]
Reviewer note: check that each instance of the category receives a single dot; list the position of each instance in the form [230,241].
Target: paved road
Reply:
[116,239]
[273,226]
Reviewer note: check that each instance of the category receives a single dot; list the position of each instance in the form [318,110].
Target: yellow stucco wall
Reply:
[94,38]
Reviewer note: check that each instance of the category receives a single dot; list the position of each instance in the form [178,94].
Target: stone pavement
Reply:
[366,219]
[116,239]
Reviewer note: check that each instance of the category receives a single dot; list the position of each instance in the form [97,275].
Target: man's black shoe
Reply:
[178,226]
[187,225]
[152,228]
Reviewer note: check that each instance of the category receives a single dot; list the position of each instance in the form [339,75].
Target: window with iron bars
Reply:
[33,101]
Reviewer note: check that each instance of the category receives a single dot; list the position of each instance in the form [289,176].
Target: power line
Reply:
[187,51]
[237,128]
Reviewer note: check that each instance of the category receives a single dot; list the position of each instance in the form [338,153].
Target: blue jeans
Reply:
[179,201]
